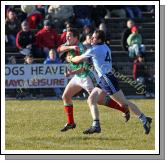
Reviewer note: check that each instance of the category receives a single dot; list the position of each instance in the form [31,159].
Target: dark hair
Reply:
[10,10]
[89,34]
[69,25]
[24,23]
[75,32]
[100,35]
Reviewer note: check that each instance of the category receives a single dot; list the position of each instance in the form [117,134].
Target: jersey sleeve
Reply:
[88,53]
[81,48]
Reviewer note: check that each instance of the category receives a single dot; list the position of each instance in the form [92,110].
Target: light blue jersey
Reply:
[101,57]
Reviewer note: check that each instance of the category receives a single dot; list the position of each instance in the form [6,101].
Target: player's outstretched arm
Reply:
[78,59]
[85,56]
[63,48]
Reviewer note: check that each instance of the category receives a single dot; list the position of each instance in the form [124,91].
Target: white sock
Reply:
[94,112]
[96,123]
[142,118]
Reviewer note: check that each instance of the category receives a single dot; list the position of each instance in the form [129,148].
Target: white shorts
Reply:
[86,83]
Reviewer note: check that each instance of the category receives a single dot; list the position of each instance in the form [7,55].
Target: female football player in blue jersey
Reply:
[102,61]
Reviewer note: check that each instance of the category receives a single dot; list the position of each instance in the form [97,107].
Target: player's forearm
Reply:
[64,49]
[77,59]
[77,71]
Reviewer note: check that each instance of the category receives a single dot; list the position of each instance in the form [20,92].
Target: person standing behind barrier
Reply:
[54,59]
[32,92]
[26,91]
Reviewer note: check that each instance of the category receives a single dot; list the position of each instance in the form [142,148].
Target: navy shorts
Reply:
[109,84]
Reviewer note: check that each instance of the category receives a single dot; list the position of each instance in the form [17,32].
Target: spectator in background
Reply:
[63,35]
[141,75]
[34,16]
[126,33]
[87,29]
[35,19]
[25,39]
[25,91]
[53,58]
[29,59]
[134,42]
[12,27]
[47,38]
[31,92]
[21,16]
[51,19]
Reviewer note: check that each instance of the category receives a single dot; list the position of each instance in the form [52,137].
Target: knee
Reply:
[65,97]
[91,100]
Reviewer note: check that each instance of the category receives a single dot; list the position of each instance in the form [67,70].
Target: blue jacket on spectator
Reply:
[49,61]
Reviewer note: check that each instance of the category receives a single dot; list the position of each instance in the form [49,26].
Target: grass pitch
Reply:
[36,124]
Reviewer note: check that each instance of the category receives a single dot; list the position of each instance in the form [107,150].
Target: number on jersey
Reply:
[107,59]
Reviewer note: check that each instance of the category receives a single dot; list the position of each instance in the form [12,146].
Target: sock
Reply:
[94,112]
[142,118]
[69,112]
[96,123]
[113,104]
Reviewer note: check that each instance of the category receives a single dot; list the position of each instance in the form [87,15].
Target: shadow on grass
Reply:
[95,137]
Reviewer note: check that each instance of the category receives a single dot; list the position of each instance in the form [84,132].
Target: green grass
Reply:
[35,125]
